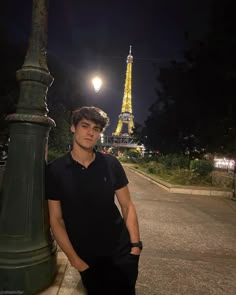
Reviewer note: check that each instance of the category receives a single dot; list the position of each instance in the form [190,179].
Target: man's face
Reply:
[86,134]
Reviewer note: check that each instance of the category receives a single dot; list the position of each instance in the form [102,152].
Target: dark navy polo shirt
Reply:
[93,221]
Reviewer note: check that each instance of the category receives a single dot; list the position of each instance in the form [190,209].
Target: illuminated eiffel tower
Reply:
[126,117]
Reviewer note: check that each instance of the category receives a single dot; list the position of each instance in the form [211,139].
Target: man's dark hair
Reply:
[91,113]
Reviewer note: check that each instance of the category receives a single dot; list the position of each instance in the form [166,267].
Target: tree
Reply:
[60,137]
[12,59]
[197,96]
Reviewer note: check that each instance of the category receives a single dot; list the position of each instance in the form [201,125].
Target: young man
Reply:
[80,186]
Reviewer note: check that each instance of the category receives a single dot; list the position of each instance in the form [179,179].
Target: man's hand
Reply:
[79,264]
[135,251]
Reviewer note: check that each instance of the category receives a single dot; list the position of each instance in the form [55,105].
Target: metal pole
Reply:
[27,251]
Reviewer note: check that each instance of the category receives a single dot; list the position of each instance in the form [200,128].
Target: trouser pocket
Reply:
[86,277]
[128,266]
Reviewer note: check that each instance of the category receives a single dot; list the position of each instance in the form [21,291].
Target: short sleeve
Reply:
[118,175]
[52,187]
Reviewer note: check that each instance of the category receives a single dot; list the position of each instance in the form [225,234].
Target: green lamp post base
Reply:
[27,250]
[27,279]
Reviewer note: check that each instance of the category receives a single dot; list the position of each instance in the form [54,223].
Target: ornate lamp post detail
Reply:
[27,251]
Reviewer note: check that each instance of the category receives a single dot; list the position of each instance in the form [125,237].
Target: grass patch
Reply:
[173,176]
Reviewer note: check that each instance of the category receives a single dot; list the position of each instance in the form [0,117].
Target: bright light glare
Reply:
[224,163]
[97,83]
[102,138]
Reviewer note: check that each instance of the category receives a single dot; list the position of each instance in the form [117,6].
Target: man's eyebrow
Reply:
[88,123]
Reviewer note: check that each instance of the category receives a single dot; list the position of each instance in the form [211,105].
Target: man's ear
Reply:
[72,128]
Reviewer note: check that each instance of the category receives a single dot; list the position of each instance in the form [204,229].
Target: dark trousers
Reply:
[113,275]
[107,276]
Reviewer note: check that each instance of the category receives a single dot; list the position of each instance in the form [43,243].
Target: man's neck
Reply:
[84,157]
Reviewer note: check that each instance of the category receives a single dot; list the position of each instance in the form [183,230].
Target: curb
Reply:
[181,189]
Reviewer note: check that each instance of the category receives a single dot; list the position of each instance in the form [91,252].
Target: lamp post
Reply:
[27,251]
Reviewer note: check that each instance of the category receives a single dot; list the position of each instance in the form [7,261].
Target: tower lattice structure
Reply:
[126,117]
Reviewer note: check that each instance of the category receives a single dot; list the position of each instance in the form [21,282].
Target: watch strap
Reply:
[137,244]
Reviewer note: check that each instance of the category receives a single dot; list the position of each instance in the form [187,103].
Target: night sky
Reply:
[93,37]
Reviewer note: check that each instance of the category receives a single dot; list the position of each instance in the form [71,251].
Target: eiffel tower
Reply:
[126,117]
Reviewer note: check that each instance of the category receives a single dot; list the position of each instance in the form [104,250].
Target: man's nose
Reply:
[90,131]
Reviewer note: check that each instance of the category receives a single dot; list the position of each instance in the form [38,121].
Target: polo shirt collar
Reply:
[70,161]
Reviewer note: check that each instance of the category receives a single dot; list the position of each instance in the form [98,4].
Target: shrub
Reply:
[133,153]
[54,154]
[181,176]
[124,159]
[201,167]
[166,161]
[180,162]
[174,161]
[154,168]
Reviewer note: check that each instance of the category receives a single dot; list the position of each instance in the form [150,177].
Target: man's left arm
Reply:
[130,216]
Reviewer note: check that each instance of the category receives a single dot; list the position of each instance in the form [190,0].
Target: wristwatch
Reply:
[137,244]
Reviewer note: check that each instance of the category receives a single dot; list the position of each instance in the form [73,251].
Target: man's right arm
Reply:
[61,236]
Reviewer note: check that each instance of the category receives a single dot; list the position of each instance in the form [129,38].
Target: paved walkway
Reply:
[67,281]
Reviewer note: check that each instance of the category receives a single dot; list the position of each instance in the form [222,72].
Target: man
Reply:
[80,186]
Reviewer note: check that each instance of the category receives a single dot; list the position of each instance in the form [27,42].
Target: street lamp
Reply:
[27,251]
[97,83]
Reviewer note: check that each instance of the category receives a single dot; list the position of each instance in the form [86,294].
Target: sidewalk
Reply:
[67,281]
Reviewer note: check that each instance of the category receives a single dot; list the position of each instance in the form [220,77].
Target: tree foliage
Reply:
[12,59]
[196,99]
[60,137]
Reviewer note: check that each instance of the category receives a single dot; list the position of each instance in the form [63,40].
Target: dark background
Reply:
[93,37]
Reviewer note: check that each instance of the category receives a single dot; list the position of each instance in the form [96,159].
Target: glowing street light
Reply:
[97,83]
